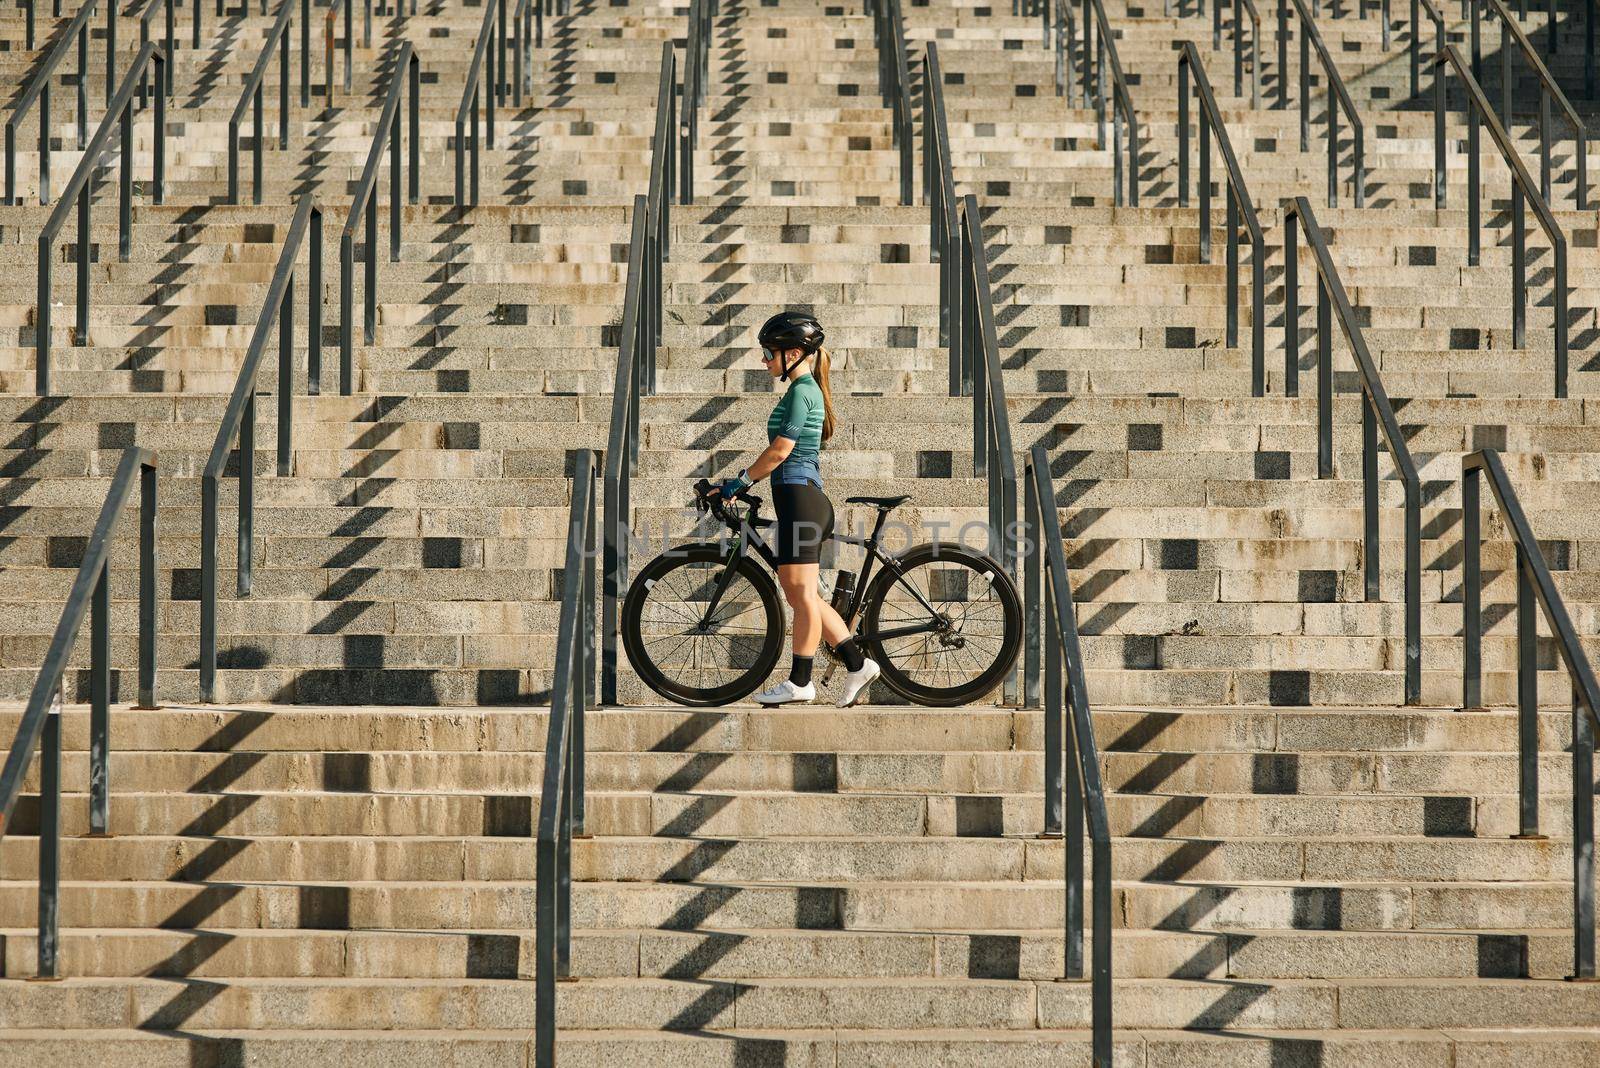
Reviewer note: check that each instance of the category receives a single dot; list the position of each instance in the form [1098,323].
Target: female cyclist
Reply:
[791,345]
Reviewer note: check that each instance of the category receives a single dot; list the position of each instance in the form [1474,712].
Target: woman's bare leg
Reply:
[814,618]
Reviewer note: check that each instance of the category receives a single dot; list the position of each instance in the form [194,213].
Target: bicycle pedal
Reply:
[827,672]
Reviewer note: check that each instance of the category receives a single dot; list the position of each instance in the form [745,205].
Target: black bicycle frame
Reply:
[748,538]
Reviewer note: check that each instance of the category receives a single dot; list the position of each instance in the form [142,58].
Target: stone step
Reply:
[981,812]
[723,955]
[733,1048]
[863,856]
[1190,905]
[682,1005]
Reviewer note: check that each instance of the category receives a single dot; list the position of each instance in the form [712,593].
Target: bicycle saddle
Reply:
[884,503]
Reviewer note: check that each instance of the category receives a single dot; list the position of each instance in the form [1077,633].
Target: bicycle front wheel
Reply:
[965,646]
[688,657]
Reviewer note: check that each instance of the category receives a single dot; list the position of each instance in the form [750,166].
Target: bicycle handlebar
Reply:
[708,498]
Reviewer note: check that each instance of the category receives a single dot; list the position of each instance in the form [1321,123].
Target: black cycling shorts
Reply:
[805,522]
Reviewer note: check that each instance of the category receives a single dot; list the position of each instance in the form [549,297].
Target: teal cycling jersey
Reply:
[799,417]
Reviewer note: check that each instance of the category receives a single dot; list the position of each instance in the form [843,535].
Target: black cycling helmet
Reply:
[791,330]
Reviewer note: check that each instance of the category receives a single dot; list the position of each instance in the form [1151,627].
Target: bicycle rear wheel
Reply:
[694,664]
[976,631]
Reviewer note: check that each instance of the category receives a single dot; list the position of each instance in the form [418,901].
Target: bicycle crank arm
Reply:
[832,662]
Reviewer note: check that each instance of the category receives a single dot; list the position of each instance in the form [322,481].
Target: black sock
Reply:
[851,655]
[800,673]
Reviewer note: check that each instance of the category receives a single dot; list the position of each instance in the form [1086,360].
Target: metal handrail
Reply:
[252,93]
[349,47]
[1338,96]
[170,45]
[1238,46]
[889,31]
[696,73]
[76,32]
[1052,628]
[635,378]
[118,115]
[40,725]
[663,178]
[1510,32]
[1522,193]
[1415,48]
[1096,61]
[1376,413]
[561,793]
[493,31]
[1534,583]
[387,131]
[239,421]
[944,226]
[1066,31]
[1239,207]
[993,458]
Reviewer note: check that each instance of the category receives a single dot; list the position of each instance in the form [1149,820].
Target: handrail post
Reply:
[247,495]
[314,308]
[414,108]
[49,966]
[1415,48]
[1305,89]
[283,91]
[1073,827]
[1291,303]
[111,50]
[258,134]
[1359,172]
[1231,257]
[1471,593]
[1204,192]
[41,328]
[1369,510]
[1440,193]
[1473,191]
[1055,783]
[1258,314]
[1283,54]
[1527,703]
[1033,616]
[347,268]
[1324,382]
[1519,268]
[1559,254]
[1583,878]
[1101,963]
[1333,151]
[1183,131]
[286,380]
[81,332]
[208,588]
[148,577]
[100,702]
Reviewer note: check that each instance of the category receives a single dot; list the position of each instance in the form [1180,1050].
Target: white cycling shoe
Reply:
[786,693]
[855,682]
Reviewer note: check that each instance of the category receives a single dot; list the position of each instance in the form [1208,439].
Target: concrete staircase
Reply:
[331,868]
[1291,884]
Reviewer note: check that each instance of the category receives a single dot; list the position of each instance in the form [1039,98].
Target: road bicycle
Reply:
[703,623]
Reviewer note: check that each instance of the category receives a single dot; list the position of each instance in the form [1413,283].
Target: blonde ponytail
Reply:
[821,375]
